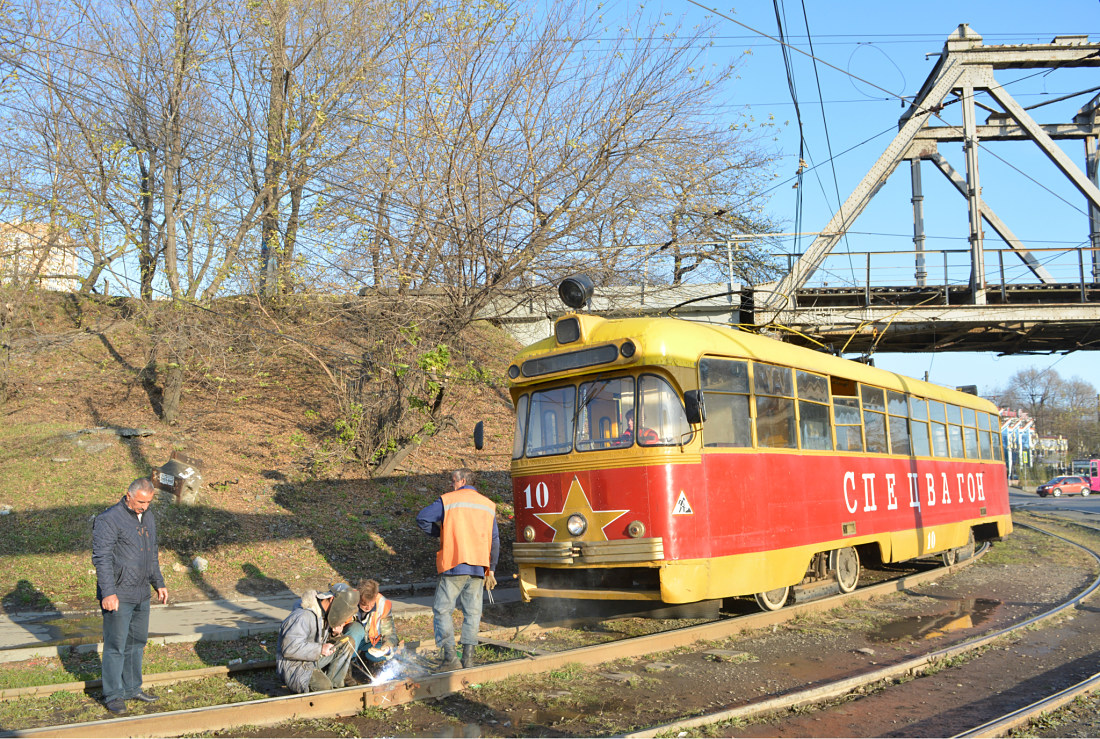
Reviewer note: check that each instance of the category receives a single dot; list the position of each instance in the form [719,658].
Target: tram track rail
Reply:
[914,667]
[353,700]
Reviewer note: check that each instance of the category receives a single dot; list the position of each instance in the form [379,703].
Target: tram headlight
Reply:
[636,529]
[627,349]
[576,525]
[528,533]
[576,291]
[513,371]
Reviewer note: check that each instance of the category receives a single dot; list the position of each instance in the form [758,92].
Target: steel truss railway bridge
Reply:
[971,299]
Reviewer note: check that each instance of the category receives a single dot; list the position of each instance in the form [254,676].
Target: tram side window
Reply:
[813,411]
[521,427]
[849,425]
[990,427]
[898,410]
[775,419]
[985,435]
[954,430]
[725,385]
[970,433]
[550,422]
[874,418]
[938,426]
[602,418]
[918,427]
[661,413]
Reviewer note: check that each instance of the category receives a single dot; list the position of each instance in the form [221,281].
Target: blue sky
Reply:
[885,45]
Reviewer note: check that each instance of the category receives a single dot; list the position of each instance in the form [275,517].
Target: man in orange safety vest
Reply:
[469,544]
[373,631]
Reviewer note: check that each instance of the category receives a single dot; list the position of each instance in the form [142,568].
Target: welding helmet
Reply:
[344,605]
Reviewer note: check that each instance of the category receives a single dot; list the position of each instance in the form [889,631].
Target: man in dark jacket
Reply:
[304,657]
[124,552]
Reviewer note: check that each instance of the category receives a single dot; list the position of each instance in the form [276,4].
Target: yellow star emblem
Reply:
[576,501]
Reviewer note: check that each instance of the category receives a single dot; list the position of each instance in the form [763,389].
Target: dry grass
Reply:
[267,519]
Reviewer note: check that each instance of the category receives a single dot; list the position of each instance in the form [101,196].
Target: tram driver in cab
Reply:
[645,436]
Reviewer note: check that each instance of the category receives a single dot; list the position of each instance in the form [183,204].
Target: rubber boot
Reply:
[468,655]
[450,661]
[319,681]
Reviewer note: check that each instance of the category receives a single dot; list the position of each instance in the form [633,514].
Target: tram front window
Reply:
[605,407]
[662,421]
[550,422]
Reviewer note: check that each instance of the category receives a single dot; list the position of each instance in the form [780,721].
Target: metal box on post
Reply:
[179,476]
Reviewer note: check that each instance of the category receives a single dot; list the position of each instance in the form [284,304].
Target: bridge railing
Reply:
[942,269]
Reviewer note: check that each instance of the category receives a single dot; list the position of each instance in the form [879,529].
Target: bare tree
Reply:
[514,148]
[504,148]
[1060,407]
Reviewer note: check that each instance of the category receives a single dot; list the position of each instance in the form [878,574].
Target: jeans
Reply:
[466,590]
[336,665]
[358,634]
[125,632]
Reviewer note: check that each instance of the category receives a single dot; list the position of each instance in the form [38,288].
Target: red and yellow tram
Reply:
[666,460]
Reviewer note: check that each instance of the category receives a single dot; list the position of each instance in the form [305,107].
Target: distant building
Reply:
[26,253]
[1053,451]
[1019,439]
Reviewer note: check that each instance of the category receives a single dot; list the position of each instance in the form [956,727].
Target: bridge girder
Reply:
[965,66]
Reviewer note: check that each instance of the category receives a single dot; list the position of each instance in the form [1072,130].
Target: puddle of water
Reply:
[69,631]
[801,666]
[64,630]
[960,615]
[469,731]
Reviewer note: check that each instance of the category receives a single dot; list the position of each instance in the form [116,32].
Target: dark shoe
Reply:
[117,706]
[319,681]
[449,663]
[468,655]
[144,697]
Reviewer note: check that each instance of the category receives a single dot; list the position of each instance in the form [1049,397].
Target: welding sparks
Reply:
[401,666]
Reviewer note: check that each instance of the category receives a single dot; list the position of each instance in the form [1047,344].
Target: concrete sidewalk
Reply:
[24,636]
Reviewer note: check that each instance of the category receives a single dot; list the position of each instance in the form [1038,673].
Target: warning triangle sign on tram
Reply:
[682,507]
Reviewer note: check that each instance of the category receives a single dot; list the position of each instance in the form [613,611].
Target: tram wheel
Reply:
[773,600]
[964,553]
[845,564]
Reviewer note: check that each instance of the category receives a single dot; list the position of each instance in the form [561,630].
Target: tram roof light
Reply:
[576,291]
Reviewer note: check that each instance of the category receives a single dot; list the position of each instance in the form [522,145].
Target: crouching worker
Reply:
[373,630]
[304,658]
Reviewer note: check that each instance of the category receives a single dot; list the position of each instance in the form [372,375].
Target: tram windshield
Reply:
[609,413]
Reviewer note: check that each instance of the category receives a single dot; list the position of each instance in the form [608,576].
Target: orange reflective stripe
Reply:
[374,618]
[467,535]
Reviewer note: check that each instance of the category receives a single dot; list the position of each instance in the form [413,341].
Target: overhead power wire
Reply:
[788,69]
[370,208]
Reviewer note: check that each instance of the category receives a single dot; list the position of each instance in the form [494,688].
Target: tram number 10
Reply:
[542,495]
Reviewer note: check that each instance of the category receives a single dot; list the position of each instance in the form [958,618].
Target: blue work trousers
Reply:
[125,632]
[358,634]
[466,591]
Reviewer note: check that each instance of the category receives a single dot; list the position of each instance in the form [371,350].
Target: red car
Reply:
[1065,484]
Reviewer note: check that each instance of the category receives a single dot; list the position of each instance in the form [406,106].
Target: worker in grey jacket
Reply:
[305,658]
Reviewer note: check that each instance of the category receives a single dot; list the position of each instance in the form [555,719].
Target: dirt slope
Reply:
[272,515]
